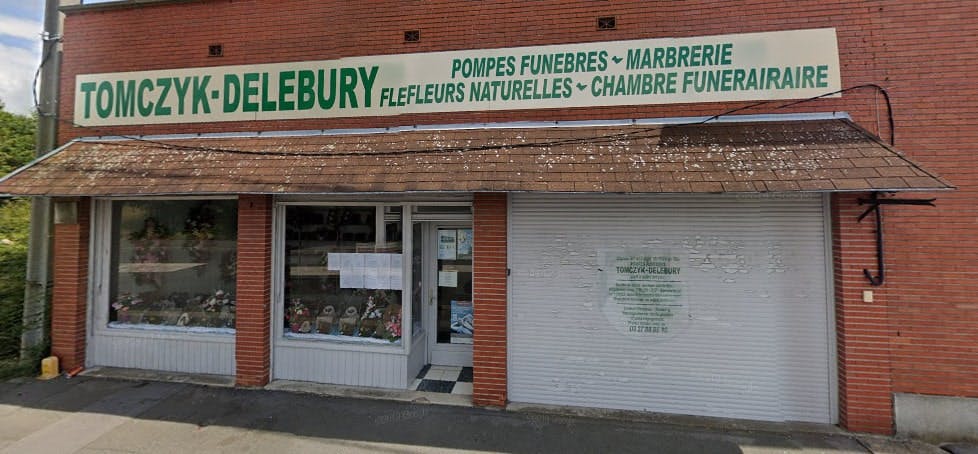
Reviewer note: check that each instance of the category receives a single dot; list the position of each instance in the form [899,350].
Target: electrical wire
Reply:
[37,73]
[886,97]
[594,140]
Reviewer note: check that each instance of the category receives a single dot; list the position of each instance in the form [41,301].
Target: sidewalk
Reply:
[102,415]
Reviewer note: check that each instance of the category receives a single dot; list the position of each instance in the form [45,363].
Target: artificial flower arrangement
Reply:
[219,309]
[148,247]
[229,266]
[216,310]
[198,240]
[147,242]
[216,301]
[298,315]
[123,304]
[373,316]
[393,327]
[370,321]
[199,230]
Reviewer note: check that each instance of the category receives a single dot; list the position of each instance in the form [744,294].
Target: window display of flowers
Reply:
[297,314]
[199,230]
[393,327]
[218,310]
[216,301]
[123,304]
[147,247]
[229,266]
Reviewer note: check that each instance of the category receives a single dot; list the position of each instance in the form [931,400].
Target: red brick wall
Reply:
[931,252]
[921,53]
[253,31]
[69,298]
[489,211]
[862,330]
[252,343]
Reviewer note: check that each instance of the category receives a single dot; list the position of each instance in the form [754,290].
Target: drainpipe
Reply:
[39,247]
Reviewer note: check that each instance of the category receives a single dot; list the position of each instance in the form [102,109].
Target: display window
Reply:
[173,265]
[343,273]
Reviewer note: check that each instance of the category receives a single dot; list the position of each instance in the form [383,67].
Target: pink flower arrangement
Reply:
[393,327]
[122,305]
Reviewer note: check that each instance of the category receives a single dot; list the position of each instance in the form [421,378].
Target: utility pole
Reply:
[39,248]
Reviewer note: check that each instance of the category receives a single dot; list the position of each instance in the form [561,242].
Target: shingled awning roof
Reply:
[775,156]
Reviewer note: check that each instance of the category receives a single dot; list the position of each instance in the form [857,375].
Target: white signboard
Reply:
[753,66]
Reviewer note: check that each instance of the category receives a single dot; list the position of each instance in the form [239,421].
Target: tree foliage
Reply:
[17,138]
[14,223]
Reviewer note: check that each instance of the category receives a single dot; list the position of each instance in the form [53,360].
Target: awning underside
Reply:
[782,156]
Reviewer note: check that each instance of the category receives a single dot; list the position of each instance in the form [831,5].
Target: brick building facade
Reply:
[916,337]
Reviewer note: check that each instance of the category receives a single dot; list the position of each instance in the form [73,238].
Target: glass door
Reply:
[450,307]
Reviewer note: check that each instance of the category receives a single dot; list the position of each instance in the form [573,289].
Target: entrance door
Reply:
[448,311]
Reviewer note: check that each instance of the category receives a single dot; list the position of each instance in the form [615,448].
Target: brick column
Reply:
[252,351]
[489,289]
[69,297]
[862,329]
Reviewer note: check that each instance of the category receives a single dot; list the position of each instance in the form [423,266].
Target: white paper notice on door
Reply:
[446,245]
[448,278]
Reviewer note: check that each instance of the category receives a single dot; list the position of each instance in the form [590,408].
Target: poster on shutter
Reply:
[645,295]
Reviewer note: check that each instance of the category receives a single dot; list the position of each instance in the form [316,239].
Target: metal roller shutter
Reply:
[747,337]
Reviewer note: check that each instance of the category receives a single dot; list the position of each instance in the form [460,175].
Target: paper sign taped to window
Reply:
[446,245]
[448,278]
[334,261]
[395,272]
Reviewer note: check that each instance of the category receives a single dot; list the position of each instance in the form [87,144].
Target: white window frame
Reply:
[100,262]
[278,281]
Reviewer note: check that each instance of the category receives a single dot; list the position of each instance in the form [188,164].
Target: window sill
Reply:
[334,342]
[203,334]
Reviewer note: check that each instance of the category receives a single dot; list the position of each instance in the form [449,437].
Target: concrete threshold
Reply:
[417,397]
[223,381]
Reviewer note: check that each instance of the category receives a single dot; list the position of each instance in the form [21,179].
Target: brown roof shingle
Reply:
[778,156]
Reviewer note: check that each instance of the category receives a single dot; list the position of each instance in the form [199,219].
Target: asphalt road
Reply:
[89,415]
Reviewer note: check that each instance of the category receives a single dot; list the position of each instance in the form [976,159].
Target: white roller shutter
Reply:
[750,337]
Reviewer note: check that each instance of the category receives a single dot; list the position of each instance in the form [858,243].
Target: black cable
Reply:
[609,138]
[462,149]
[733,111]
[886,97]
[37,73]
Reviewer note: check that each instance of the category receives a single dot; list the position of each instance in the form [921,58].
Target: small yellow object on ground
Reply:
[49,368]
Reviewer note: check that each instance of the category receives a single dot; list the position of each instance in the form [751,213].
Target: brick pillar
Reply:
[69,297]
[252,351]
[862,329]
[489,289]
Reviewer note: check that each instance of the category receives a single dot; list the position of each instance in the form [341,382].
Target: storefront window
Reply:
[173,265]
[343,272]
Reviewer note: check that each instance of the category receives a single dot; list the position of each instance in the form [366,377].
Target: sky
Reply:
[20,51]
